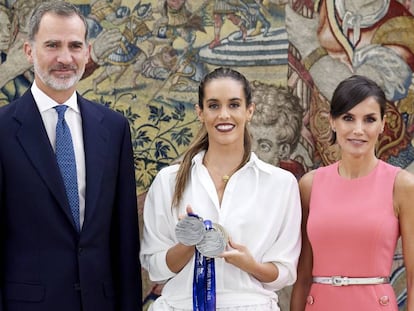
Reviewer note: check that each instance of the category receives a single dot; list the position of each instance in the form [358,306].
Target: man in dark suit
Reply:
[59,251]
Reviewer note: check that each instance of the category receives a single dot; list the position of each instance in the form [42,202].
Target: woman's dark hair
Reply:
[223,72]
[201,139]
[350,92]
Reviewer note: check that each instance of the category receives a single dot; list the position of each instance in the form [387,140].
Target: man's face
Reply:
[59,53]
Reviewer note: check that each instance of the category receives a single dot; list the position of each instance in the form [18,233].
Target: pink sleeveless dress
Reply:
[353,232]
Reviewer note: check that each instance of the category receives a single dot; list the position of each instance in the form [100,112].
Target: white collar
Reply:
[44,102]
[254,161]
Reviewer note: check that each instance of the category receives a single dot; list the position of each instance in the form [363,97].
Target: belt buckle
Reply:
[339,281]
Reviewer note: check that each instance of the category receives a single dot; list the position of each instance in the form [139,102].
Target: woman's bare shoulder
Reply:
[307,179]
[404,181]
[404,191]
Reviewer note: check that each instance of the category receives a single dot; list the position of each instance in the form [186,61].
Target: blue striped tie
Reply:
[65,156]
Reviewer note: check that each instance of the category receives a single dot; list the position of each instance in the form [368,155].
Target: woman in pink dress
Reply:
[354,211]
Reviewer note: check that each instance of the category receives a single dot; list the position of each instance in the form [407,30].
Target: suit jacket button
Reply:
[384,300]
[80,250]
[310,300]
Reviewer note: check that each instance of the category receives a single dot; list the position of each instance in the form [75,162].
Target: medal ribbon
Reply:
[204,281]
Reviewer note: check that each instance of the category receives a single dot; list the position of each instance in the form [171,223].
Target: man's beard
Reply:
[61,83]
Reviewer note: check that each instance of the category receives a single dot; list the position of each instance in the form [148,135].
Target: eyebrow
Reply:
[230,99]
[77,42]
[367,115]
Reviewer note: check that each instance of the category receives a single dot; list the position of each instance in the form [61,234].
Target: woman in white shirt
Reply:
[221,180]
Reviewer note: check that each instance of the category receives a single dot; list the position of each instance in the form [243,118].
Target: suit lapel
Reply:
[34,140]
[95,137]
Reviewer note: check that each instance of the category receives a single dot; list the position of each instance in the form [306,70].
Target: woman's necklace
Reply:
[225,178]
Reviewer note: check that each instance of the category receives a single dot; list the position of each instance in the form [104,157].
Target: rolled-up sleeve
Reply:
[286,248]
[158,221]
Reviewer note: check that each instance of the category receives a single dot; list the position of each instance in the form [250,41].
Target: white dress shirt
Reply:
[260,209]
[73,118]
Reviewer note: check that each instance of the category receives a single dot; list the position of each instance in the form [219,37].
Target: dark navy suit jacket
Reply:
[45,264]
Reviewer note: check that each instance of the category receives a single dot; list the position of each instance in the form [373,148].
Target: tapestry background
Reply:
[148,57]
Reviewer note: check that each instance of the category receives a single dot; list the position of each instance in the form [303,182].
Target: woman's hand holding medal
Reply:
[239,256]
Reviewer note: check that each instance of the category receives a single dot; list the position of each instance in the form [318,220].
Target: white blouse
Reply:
[260,209]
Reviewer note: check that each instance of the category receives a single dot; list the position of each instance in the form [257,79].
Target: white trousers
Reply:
[161,305]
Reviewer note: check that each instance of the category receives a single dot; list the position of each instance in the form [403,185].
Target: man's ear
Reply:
[28,51]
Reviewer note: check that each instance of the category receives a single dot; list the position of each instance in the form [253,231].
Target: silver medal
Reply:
[190,230]
[214,242]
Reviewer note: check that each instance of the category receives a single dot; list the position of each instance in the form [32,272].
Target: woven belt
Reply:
[344,281]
